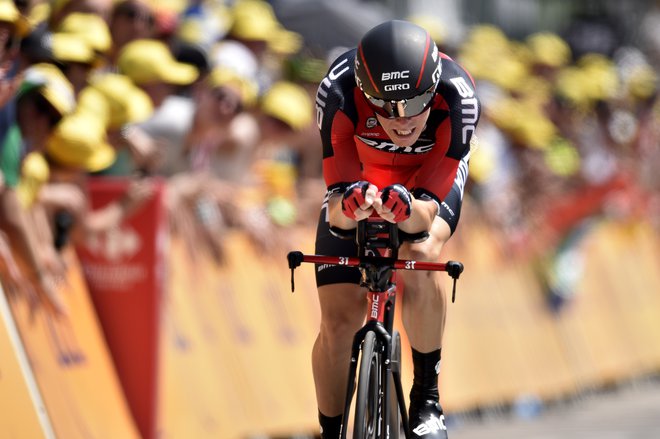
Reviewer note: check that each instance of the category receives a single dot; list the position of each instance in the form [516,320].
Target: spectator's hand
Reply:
[146,150]
[49,295]
[137,193]
[262,232]
[358,199]
[10,275]
[65,196]
[394,203]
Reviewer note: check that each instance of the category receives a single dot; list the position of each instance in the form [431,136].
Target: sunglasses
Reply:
[405,107]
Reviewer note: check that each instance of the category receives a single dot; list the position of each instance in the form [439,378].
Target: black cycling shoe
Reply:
[427,421]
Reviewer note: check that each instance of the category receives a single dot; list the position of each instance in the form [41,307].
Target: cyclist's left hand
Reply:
[394,203]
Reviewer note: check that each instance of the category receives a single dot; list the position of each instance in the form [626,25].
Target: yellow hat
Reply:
[126,102]
[52,84]
[285,42]
[79,141]
[146,61]
[549,49]
[34,174]
[289,103]
[221,76]
[602,79]
[10,14]
[253,20]
[92,101]
[90,27]
[71,48]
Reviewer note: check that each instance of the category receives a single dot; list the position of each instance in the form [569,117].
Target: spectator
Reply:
[91,28]
[130,20]
[116,100]
[44,98]
[152,67]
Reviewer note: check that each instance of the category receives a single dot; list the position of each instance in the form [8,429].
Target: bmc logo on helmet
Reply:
[390,76]
[392,87]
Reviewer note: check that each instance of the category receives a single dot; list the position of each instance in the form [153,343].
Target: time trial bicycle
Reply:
[380,413]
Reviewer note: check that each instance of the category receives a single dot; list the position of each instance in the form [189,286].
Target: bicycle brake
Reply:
[295,259]
[454,269]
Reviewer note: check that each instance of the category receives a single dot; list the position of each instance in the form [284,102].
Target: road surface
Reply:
[629,413]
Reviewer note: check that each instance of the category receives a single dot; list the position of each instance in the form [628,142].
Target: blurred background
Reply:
[160,158]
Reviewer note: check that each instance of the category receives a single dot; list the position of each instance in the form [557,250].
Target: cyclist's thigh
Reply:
[342,305]
[340,296]
[430,249]
[330,245]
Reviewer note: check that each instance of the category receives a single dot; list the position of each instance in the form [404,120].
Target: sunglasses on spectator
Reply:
[403,108]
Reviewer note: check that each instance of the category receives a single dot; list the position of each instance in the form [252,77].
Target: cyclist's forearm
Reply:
[422,214]
[335,215]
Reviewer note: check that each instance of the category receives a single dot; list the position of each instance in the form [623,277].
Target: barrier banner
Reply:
[21,410]
[79,394]
[124,268]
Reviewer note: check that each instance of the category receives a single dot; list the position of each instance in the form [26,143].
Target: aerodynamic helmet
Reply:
[397,67]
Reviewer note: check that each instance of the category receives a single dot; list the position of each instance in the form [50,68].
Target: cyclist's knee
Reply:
[342,309]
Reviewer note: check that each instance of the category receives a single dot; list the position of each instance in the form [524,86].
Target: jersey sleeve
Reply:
[448,165]
[335,116]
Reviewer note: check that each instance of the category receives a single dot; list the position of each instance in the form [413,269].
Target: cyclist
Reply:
[396,118]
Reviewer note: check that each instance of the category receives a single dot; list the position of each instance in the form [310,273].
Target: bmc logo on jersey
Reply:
[382,145]
[469,107]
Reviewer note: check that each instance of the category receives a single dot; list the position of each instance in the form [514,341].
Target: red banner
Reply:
[124,268]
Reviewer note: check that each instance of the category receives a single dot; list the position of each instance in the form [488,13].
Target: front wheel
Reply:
[367,402]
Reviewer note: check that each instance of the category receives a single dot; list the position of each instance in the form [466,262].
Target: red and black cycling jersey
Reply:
[355,146]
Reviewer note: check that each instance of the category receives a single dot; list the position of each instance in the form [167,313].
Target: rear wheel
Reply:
[367,402]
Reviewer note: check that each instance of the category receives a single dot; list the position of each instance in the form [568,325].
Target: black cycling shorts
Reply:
[328,244]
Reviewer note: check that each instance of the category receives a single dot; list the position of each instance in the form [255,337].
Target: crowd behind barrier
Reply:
[208,107]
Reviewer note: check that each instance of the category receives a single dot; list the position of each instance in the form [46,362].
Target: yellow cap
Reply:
[79,141]
[34,174]
[285,42]
[92,101]
[52,84]
[126,102]
[253,20]
[602,79]
[10,14]
[90,27]
[549,49]
[221,76]
[289,103]
[8,11]
[146,61]
[71,48]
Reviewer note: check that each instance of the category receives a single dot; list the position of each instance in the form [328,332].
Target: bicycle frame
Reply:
[378,276]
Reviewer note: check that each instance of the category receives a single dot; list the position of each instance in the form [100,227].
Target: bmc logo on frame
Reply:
[433,425]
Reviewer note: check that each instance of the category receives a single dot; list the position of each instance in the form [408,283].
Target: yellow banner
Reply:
[22,413]
[72,366]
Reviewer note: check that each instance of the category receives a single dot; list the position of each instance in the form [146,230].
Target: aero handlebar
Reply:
[453,268]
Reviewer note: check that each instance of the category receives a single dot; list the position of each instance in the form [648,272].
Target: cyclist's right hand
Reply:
[358,199]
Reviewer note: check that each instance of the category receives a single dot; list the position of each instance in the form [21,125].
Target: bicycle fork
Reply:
[380,321]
